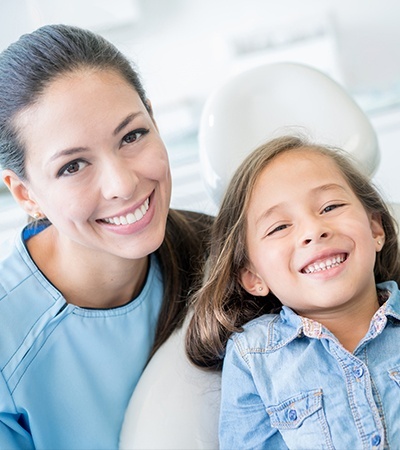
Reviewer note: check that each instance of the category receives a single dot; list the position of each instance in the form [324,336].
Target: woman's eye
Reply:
[135,135]
[72,168]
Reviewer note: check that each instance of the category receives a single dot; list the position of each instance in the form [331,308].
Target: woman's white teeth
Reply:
[131,217]
[324,265]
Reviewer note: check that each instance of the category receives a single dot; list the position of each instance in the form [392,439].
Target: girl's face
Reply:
[97,167]
[310,240]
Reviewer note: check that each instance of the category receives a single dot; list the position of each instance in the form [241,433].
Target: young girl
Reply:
[304,237]
[99,280]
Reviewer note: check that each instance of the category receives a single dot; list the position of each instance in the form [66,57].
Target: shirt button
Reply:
[376,440]
[292,415]
[358,372]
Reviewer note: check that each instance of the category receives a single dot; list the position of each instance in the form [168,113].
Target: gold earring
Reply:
[36,215]
[379,242]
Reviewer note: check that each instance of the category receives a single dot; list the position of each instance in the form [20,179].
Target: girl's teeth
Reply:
[324,265]
[131,217]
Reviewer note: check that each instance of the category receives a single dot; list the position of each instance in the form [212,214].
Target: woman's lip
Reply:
[127,211]
[135,227]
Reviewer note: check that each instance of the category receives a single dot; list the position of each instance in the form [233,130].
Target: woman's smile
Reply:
[130,217]
[106,174]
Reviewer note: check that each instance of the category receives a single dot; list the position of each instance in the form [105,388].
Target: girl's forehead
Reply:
[302,153]
[295,171]
[299,161]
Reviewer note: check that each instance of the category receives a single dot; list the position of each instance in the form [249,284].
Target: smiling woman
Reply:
[110,147]
[98,280]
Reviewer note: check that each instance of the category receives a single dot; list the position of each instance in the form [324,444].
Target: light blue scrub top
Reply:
[67,373]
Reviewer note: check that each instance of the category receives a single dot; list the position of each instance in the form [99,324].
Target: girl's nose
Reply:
[118,181]
[314,231]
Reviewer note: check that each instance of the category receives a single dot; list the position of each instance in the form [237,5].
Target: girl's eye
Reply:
[276,229]
[135,135]
[71,168]
[331,208]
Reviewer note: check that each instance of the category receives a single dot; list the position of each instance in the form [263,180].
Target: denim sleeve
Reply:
[12,435]
[244,421]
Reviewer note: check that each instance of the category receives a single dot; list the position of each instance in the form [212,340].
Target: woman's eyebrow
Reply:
[67,152]
[74,150]
[126,121]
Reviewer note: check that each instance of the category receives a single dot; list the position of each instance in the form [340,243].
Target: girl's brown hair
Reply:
[222,306]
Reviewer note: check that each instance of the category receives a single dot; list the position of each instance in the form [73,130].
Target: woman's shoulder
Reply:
[26,297]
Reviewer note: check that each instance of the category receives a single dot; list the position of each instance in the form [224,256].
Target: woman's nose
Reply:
[118,180]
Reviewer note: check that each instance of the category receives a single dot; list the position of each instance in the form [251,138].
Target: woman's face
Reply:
[96,165]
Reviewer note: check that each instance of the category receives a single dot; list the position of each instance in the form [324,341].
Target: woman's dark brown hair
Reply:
[182,256]
[27,67]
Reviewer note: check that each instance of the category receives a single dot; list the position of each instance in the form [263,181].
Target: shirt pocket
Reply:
[301,421]
[394,374]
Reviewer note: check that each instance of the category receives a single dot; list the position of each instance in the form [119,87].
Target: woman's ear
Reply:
[253,283]
[378,232]
[20,192]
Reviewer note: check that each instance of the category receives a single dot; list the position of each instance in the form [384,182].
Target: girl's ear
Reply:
[20,192]
[378,232]
[253,283]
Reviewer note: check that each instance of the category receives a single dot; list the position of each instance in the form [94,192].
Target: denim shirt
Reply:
[287,382]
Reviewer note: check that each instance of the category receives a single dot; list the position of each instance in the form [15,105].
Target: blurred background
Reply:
[184,49]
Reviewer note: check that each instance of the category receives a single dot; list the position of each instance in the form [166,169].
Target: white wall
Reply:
[186,48]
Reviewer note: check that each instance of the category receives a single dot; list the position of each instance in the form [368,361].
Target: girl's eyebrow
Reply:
[328,187]
[322,188]
[268,212]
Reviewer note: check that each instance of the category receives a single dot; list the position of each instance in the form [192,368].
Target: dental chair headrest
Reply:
[267,101]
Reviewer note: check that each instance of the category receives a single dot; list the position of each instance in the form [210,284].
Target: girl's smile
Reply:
[325,263]
[309,239]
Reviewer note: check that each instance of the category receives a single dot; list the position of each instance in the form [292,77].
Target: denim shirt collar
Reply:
[392,306]
[288,325]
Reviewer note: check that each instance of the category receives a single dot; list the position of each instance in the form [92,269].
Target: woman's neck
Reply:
[87,278]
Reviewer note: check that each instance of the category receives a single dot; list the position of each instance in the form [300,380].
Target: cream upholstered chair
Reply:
[175,405]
